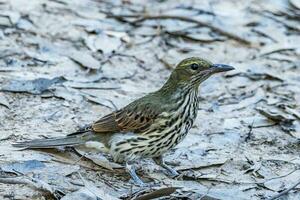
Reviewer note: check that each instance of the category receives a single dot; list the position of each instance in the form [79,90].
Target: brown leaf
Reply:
[162,192]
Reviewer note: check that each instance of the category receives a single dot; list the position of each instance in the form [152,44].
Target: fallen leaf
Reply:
[259,95]
[33,182]
[4,21]
[157,193]
[202,164]
[84,59]
[23,167]
[99,160]
[36,86]
[275,114]
[91,192]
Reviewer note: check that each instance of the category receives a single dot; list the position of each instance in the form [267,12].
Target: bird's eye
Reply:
[194,66]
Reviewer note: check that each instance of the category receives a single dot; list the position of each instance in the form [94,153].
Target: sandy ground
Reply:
[64,64]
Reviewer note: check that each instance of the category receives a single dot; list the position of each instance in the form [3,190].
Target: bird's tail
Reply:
[71,140]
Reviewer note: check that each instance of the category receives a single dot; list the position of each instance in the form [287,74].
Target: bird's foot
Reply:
[170,171]
[135,178]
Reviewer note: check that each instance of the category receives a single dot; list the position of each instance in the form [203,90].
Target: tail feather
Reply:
[51,142]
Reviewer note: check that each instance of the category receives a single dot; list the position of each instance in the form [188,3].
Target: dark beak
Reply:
[216,68]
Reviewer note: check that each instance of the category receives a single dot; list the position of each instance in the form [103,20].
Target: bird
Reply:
[149,126]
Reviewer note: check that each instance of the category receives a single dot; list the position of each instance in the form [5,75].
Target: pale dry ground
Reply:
[245,142]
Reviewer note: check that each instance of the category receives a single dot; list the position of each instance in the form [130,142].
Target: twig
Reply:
[248,137]
[33,182]
[95,87]
[140,62]
[284,192]
[10,54]
[187,37]
[142,18]
[277,51]
[264,126]
[199,10]
[264,35]
[269,179]
[282,176]
[206,193]
[280,21]
[165,63]
[113,104]
[15,180]
[79,159]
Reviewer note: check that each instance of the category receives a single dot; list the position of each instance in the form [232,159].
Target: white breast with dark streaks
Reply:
[185,116]
[170,130]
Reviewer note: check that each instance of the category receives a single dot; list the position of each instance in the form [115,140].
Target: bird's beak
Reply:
[216,68]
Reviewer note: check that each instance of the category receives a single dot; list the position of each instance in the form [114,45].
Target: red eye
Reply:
[194,66]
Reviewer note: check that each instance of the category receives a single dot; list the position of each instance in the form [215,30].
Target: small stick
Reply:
[187,37]
[186,19]
[284,192]
[248,137]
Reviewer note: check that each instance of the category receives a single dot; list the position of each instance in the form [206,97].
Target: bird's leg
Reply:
[131,169]
[159,160]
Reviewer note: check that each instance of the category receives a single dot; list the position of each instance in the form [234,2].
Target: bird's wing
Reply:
[133,118]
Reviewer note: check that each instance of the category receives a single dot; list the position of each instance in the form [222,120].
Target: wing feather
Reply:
[131,118]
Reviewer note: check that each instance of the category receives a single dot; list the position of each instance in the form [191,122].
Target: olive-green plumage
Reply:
[148,126]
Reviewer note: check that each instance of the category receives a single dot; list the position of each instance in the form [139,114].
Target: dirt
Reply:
[65,64]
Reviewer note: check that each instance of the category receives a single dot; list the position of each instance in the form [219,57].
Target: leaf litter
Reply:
[57,75]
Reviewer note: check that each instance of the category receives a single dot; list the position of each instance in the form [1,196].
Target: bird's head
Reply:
[192,71]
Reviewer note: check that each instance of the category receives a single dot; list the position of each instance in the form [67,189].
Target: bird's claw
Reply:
[135,179]
[170,171]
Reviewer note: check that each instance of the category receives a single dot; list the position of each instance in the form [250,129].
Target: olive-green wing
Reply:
[132,118]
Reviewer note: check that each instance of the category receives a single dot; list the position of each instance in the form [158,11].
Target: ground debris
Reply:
[100,160]
[91,192]
[65,64]
[23,167]
[152,193]
[202,164]
[32,182]
[84,59]
[36,86]
[3,101]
